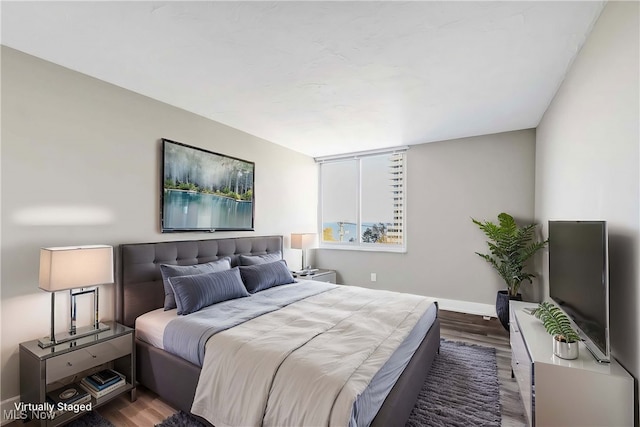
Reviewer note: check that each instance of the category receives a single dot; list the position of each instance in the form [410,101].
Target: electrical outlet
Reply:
[374,277]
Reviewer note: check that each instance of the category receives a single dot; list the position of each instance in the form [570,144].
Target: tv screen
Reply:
[205,191]
[578,278]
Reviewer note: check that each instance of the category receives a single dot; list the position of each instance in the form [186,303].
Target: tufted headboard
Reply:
[139,288]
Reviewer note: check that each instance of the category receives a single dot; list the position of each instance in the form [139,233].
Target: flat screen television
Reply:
[205,191]
[579,279]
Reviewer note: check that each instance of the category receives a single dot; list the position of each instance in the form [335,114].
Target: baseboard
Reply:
[467,307]
[6,406]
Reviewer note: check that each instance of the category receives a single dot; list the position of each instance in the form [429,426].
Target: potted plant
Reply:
[565,338]
[510,247]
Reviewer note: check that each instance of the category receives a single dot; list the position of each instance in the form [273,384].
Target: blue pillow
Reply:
[169,270]
[260,259]
[195,292]
[263,276]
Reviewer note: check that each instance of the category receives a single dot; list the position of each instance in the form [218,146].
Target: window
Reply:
[362,201]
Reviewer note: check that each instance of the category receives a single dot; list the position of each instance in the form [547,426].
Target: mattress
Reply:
[151,327]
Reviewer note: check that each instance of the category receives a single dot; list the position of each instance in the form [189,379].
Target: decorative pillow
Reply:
[202,290]
[263,276]
[260,259]
[169,270]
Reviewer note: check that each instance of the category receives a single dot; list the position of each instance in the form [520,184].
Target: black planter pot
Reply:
[502,306]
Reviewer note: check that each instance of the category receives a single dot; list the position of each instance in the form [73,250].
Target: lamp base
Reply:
[66,336]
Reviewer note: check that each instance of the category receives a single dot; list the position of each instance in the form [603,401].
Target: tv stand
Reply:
[558,392]
[595,356]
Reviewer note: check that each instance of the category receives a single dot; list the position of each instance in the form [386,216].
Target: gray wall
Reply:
[448,183]
[588,164]
[70,141]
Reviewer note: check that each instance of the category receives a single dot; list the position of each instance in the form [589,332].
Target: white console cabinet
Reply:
[558,392]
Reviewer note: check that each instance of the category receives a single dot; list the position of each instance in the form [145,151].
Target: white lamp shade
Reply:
[302,240]
[75,267]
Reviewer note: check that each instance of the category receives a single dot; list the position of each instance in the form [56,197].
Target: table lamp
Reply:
[303,241]
[78,269]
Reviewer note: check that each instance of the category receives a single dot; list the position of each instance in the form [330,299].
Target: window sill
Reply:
[346,247]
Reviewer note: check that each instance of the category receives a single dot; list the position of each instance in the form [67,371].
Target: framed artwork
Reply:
[205,191]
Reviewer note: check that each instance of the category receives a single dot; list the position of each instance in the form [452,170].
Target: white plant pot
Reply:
[565,350]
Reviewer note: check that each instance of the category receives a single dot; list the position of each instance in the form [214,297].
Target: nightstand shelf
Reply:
[319,276]
[45,369]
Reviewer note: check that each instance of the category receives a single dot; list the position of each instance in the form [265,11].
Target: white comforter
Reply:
[305,364]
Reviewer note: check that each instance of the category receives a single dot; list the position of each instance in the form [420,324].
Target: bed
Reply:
[140,291]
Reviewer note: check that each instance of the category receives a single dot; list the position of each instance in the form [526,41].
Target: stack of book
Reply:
[103,382]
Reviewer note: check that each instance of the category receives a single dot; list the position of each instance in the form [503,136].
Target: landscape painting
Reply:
[205,191]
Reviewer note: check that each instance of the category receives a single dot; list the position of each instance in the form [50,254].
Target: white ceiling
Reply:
[322,77]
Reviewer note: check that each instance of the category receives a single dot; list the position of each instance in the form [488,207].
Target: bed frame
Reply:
[140,290]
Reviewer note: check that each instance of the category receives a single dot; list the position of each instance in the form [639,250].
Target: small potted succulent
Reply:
[565,338]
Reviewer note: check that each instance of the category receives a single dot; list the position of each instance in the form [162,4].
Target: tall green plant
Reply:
[556,322]
[510,247]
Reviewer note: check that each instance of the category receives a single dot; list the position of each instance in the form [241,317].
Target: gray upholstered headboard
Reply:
[139,288]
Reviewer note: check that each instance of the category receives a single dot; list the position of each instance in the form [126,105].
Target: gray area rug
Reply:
[92,419]
[462,390]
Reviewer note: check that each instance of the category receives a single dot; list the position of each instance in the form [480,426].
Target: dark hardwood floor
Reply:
[149,409]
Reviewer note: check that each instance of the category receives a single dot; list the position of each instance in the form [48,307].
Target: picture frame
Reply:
[205,191]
